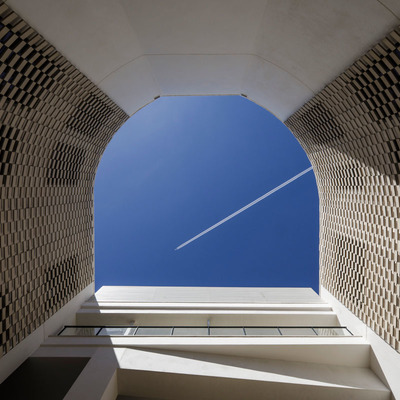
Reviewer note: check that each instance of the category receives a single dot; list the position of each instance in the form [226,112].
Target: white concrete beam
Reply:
[347,351]
[200,317]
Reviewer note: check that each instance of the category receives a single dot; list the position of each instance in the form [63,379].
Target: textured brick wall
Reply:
[351,133]
[55,124]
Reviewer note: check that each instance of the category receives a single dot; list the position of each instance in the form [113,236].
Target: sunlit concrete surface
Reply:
[278,53]
[215,367]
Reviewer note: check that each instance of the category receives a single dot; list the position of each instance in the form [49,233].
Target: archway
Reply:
[56,123]
[181,164]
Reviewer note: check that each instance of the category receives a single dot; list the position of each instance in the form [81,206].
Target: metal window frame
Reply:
[208,327]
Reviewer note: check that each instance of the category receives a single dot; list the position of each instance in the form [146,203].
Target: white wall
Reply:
[179,294]
[385,361]
[183,375]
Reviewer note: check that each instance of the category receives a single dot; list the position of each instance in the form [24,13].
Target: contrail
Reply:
[264,196]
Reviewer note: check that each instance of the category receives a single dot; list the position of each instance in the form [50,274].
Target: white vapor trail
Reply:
[264,196]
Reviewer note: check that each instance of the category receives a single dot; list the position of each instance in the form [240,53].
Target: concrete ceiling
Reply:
[277,52]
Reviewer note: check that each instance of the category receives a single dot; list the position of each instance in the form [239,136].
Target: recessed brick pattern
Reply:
[350,132]
[55,125]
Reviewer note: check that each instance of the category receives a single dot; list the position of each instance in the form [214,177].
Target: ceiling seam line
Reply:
[387,8]
[207,54]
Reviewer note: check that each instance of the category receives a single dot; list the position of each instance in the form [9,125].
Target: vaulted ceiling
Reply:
[278,53]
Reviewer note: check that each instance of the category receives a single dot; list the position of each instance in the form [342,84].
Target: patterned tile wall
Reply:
[351,133]
[55,124]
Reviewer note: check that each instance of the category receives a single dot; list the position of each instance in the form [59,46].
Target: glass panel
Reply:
[297,331]
[262,331]
[77,331]
[203,331]
[130,331]
[154,331]
[113,331]
[332,332]
[232,331]
[191,331]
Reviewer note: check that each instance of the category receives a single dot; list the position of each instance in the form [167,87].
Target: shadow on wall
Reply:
[350,132]
[45,378]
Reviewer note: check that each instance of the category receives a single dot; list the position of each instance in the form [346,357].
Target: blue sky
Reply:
[180,165]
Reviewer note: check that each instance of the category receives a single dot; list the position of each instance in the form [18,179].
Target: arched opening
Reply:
[58,118]
[183,163]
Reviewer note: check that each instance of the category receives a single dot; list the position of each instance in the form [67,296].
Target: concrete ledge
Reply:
[205,306]
[346,351]
[385,361]
[200,317]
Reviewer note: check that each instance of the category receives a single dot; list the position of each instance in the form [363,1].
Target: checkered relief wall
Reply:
[55,124]
[351,134]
